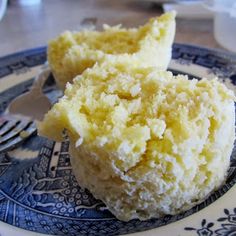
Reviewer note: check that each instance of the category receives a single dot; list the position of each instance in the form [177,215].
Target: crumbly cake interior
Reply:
[145,142]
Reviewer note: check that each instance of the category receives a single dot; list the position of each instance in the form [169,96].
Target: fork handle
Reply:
[40,80]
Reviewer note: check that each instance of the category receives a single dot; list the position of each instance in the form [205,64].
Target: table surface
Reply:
[28,26]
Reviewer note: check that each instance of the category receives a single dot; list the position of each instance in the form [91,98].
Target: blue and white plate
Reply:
[40,195]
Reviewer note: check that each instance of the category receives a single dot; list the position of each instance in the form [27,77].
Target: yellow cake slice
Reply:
[145,142]
[149,45]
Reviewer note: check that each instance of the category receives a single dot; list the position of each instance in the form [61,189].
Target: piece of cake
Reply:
[149,45]
[145,142]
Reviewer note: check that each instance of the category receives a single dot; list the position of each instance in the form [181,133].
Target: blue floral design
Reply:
[227,229]
[204,230]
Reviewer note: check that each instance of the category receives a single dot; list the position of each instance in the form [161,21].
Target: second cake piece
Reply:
[149,45]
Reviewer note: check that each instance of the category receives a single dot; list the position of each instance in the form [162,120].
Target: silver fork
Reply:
[17,123]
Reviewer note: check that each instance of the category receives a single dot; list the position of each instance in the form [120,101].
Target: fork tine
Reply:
[16,140]
[2,123]
[20,126]
[8,127]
